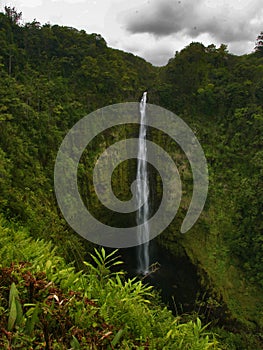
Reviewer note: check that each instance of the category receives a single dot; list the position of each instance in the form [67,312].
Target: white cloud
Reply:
[74,1]
[23,3]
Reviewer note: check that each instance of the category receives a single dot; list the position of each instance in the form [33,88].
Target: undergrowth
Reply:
[46,304]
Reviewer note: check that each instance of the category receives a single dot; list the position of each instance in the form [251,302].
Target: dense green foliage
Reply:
[44,303]
[221,96]
[51,76]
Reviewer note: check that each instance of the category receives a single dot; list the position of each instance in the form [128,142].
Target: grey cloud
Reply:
[158,56]
[225,23]
[160,19]
[221,29]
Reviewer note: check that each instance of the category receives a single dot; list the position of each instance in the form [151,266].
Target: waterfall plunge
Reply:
[142,193]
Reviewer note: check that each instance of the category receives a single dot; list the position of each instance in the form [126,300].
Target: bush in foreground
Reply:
[46,304]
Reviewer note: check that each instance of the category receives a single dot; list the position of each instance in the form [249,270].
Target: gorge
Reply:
[52,76]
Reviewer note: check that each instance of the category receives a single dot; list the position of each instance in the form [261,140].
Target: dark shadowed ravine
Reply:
[176,278]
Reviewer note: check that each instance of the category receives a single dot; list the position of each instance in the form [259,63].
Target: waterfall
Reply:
[142,193]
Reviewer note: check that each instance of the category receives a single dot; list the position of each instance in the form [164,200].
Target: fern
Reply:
[116,312]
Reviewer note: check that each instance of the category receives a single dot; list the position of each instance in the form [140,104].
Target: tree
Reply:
[12,14]
[259,44]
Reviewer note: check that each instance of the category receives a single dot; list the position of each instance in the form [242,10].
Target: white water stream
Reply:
[142,193]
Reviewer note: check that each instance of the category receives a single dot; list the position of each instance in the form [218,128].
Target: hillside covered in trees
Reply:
[52,76]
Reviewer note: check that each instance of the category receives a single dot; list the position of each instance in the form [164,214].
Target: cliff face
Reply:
[220,97]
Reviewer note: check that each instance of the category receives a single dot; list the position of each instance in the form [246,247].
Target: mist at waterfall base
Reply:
[142,194]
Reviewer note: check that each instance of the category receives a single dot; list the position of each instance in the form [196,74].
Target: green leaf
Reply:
[95,259]
[30,324]
[16,312]
[19,311]
[75,343]
[13,293]
[117,337]
[112,253]
[48,264]
[12,315]
[103,253]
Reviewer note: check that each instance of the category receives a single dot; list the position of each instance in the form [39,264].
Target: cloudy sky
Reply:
[154,29]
